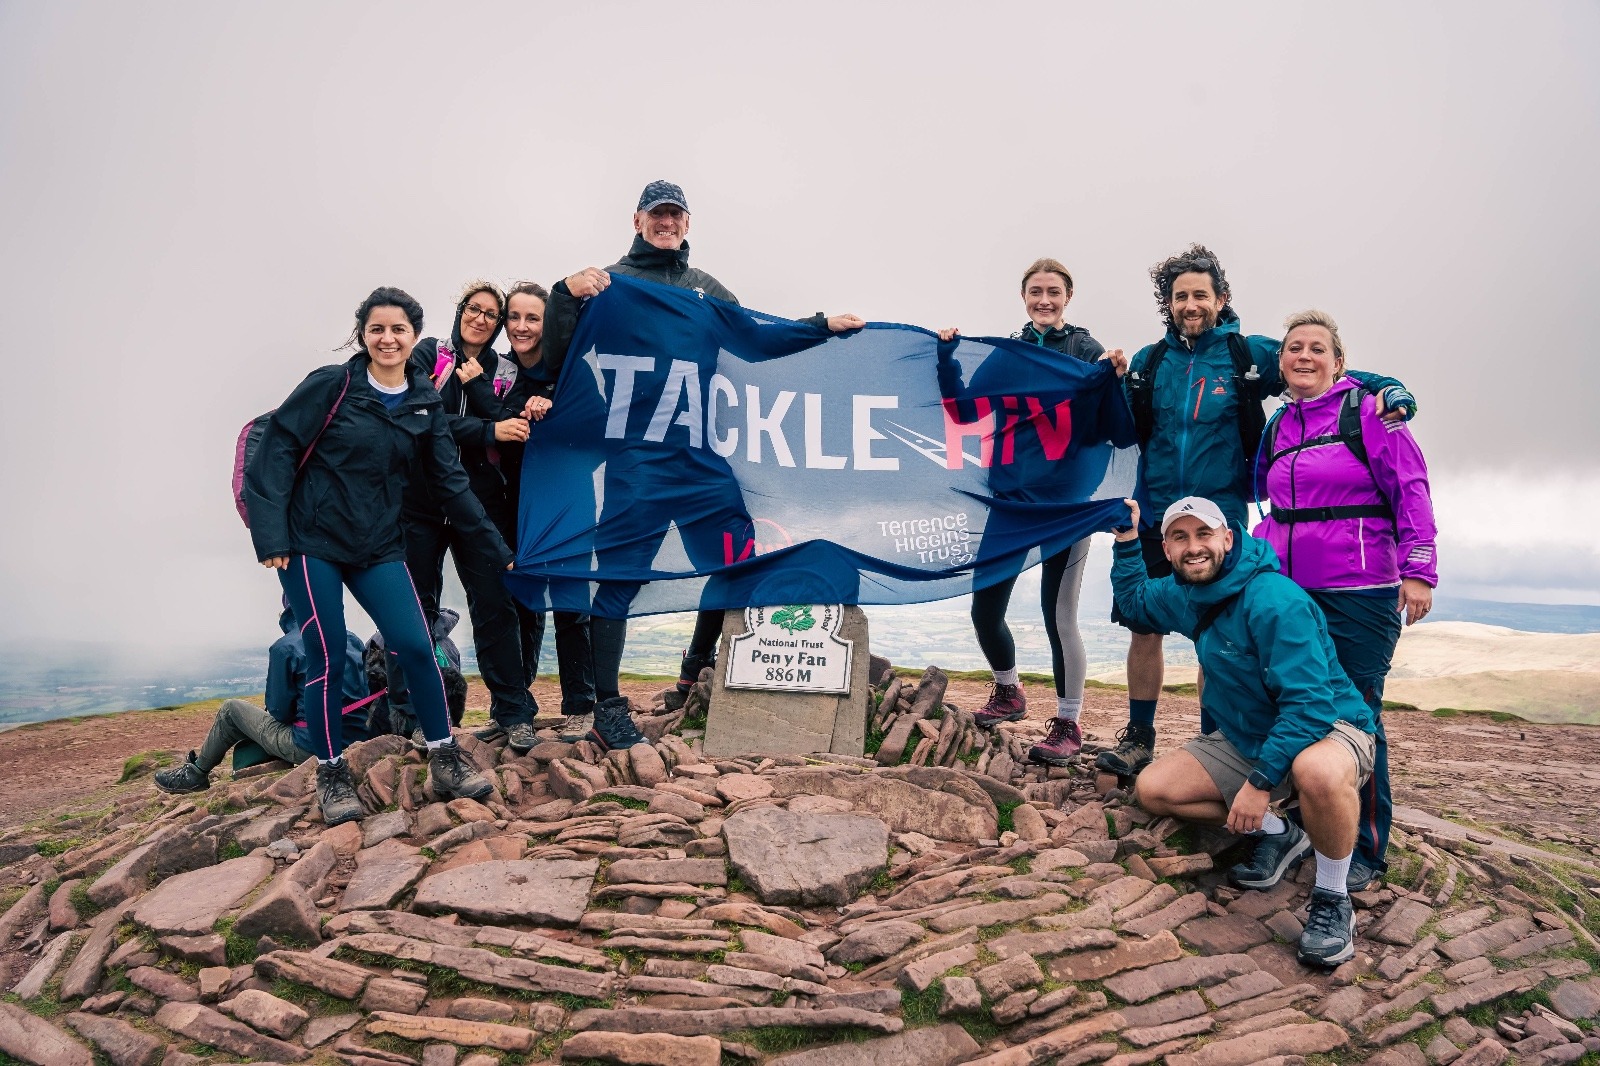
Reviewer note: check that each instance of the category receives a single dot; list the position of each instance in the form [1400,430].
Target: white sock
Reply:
[1007,677]
[1331,873]
[1272,825]
[335,761]
[438,743]
[1069,709]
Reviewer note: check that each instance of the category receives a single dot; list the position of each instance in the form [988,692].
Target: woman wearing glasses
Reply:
[467,373]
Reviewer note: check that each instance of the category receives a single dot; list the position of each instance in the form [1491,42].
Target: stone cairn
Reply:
[652,906]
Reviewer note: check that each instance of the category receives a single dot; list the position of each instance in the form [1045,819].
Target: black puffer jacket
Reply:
[644,260]
[344,505]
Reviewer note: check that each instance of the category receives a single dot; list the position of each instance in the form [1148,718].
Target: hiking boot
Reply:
[1330,936]
[688,674]
[336,794]
[574,727]
[1006,704]
[1275,855]
[452,774]
[187,777]
[1060,747]
[419,739]
[613,726]
[520,738]
[1136,746]
[1361,876]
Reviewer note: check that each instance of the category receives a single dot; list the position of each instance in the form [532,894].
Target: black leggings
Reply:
[1059,587]
[610,634]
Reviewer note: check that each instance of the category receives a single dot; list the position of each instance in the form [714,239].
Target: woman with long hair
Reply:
[323,493]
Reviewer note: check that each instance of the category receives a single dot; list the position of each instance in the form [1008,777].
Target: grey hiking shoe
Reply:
[1330,936]
[520,738]
[613,726]
[336,794]
[574,727]
[1275,855]
[451,773]
[186,777]
[1136,746]
[1361,876]
[419,739]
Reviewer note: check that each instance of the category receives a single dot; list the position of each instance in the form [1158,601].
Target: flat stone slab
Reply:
[383,873]
[1202,970]
[28,1038]
[1576,999]
[936,1045]
[668,871]
[206,1026]
[806,859]
[1228,934]
[189,904]
[534,891]
[904,806]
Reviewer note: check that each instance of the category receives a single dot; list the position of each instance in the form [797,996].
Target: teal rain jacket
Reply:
[1273,684]
[1195,448]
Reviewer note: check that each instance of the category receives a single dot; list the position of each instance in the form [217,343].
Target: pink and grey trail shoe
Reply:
[1006,704]
[1060,746]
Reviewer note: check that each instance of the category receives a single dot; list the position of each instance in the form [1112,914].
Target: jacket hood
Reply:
[1248,557]
[442,625]
[646,256]
[1227,322]
[456,342]
[1030,332]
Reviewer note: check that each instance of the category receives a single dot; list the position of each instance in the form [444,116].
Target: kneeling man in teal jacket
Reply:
[1289,722]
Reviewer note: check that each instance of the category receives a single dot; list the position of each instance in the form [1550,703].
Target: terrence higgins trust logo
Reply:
[795,618]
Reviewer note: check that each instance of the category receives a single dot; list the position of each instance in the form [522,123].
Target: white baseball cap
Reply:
[1199,507]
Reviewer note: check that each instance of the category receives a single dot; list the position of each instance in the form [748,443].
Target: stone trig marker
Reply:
[791,679]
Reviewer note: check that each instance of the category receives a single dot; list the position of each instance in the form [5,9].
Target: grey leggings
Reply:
[237,720]
[1059,587]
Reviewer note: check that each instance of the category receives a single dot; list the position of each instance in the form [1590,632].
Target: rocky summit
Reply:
[938,901]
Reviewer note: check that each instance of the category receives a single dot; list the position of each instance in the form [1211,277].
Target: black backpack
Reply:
[1246,379]
[1349,435]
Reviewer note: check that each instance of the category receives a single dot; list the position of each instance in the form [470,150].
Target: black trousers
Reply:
[496,629]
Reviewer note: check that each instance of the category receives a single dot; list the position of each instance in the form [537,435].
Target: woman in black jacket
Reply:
[1046,290]
[469,375]
[530,396]
[323,492]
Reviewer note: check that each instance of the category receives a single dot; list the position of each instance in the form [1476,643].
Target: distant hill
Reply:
[1527,617]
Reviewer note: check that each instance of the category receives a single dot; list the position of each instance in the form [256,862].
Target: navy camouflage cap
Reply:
[661,192]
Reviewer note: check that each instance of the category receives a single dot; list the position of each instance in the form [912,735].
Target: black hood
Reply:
[645,256]
[456,343]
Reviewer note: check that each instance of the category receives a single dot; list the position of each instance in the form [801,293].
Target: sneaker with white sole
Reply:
[1330,934]
[1275,855]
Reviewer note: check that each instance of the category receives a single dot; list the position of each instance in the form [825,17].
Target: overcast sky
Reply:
[195,196]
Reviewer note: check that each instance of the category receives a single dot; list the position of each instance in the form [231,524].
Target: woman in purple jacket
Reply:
[1352,523]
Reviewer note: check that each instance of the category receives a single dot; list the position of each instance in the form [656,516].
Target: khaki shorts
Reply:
[1229,770]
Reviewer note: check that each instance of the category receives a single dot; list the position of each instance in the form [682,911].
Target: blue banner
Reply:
[704,455]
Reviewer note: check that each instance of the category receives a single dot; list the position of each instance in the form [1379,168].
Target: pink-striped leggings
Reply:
[316,596]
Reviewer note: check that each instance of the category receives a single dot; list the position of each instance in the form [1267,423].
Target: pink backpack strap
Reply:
[325,422]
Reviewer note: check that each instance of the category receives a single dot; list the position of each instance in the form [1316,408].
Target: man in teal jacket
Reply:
[1288,720]
[1197,397]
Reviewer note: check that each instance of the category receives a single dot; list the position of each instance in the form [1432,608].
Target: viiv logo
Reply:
[990,426]
[759,536]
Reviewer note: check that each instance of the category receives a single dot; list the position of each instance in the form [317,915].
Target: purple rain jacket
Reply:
[1350,553]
